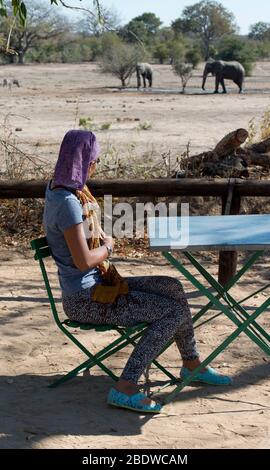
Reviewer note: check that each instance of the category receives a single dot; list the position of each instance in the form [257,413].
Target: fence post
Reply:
[231,204]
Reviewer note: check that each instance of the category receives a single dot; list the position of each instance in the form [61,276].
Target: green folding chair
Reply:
[128,335]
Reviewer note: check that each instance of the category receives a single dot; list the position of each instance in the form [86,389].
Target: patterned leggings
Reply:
[157,300]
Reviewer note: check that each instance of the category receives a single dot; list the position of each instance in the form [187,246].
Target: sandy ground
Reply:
[50,101]
[53,98]
[75,415]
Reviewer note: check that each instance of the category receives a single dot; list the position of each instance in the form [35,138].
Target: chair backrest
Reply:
[41,247]
[42,250]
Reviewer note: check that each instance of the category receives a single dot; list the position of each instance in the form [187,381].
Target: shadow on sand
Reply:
[30,412]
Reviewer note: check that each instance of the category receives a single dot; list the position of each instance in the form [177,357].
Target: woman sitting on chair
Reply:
[92,289]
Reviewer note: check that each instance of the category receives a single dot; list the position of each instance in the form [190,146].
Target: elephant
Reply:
[144,70]
[232,70]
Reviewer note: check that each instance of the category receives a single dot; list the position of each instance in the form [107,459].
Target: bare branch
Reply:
[84,9]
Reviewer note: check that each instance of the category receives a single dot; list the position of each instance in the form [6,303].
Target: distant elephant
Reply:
[231,70]
[144,70]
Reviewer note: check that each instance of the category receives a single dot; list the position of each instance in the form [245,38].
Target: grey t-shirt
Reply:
[62,210]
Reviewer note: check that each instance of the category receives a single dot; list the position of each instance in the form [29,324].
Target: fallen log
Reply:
[197,161]
[225,147]
[260,147]
[229,167]
[225,159]
[255,158]
[230,143]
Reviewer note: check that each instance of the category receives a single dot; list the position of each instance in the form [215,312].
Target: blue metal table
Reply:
[216,233]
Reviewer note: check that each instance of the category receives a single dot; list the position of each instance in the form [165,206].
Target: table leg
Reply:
[217,351]
[232,303]
[231,283]
[227,311]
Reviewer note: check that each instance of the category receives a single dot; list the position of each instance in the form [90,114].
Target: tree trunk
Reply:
[207,49]
[230,143]
[21,58]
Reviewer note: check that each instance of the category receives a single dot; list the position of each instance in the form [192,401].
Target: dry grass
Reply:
[260,130]
[21,219]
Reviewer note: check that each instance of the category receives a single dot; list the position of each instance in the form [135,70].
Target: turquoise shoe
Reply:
[132,402]
[210,376]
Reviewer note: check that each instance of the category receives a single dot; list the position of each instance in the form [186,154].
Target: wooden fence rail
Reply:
[155,188]
[229,190]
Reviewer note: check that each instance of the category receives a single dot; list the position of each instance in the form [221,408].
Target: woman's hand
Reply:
[108,241]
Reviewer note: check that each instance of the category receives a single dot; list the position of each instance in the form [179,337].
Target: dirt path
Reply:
[33,352]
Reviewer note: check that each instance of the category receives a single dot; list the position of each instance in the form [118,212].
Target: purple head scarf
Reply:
[78,149]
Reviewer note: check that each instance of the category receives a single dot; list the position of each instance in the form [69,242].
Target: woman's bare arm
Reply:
[84,258]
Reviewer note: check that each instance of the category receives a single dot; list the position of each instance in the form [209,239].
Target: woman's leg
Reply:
[172,324]
[167,318]
[171,288]
[162,285]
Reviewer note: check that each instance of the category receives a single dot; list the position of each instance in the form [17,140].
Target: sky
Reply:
[247,12]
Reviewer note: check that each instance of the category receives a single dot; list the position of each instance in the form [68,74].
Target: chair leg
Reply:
[96,360]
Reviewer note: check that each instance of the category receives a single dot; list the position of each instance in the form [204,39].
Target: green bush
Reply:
[177,50]
[87,124]
[161,52]
[263,49]
[234,48]
[184,71]
[120,59]
[193,56]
